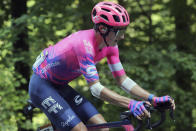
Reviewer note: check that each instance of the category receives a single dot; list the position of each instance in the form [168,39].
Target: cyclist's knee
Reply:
[79,127]
[98,119]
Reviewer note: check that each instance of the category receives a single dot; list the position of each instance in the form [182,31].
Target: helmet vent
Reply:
[107,4]
[105,9]
[118,6]
[94,12]
[126,15]
[104,17]
[118,10]
[123,18]
[116,18]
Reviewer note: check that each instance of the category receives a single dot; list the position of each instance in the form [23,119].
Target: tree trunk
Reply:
[180,10]
[20,46]
[181,13]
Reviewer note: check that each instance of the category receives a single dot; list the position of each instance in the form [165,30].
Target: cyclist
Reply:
[77,55]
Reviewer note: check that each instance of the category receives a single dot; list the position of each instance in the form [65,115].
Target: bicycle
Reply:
[125,119]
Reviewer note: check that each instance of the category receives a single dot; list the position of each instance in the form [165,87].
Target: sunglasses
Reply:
[118,32]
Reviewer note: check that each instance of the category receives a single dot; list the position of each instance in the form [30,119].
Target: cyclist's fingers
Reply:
[137,114]
[147,113]
[172,104]
[143,110]
[142,115]
[144,105]
[148,103]
[139,118]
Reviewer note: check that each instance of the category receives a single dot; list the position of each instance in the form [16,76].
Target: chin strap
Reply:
[103,34]
[104,38]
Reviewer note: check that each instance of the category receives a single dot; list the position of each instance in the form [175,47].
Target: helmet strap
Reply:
[104,35]
[104,38]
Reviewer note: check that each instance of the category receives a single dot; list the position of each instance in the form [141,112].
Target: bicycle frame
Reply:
[115,124]
[124,116]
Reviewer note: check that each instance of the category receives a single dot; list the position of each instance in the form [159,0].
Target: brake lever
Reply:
[150,125]
[140,122]
[148,108]
[171,114]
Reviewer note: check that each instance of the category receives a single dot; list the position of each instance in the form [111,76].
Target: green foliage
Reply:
[11,100]
[151,54]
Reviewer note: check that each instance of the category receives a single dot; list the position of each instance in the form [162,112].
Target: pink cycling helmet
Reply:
[110,13]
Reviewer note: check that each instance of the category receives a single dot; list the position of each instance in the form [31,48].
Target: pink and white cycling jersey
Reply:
[75,55]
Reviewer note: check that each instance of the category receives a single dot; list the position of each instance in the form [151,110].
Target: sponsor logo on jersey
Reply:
[91,70]
[50,66]
[88,47]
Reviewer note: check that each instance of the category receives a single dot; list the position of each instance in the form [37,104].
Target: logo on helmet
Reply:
[96,19]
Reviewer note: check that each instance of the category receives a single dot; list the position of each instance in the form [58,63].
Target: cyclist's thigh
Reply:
[45,96]
[84,109]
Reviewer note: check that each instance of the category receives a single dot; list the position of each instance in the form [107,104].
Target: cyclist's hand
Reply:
[163,102]
[138,109]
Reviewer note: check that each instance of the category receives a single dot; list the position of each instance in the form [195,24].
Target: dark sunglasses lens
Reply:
[119,33]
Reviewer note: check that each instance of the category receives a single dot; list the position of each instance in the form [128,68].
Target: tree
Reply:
[158,52]
[20,47]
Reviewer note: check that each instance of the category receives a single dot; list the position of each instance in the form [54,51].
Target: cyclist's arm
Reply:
[109,95]
[124,82]
[90,73]
[119,74]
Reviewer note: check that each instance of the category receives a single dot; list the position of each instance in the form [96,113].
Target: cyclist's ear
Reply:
[103,29]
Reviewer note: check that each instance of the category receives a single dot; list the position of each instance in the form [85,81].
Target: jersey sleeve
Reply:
[88,68]
[114,62]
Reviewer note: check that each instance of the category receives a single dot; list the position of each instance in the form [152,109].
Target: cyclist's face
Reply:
[115,35]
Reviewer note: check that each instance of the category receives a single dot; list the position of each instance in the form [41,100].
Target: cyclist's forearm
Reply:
[114,98]
[139,92]
[132,87]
